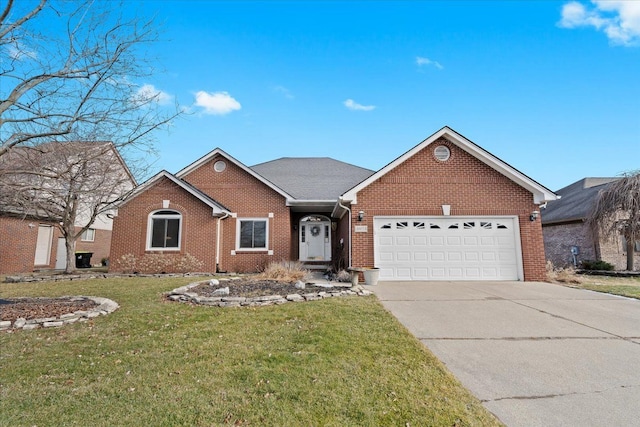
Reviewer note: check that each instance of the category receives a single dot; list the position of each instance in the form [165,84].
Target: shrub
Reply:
[597,265]
[187,263]
[284,271]
[127,263]
[562,275]
[343,276]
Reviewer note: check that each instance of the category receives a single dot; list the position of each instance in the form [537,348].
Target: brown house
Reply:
[444,210]
[568,241]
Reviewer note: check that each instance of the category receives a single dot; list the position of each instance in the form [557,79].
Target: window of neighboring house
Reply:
[636,247]
[164,230]
[89,235]
[252,234]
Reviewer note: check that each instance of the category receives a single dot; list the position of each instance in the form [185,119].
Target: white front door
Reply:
[43,245]
[315,241]
[61,254]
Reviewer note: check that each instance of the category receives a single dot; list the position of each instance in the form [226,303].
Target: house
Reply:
[444,210]
[37,184]
[567,240]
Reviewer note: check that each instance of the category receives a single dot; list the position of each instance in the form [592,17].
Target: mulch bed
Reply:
[12,309]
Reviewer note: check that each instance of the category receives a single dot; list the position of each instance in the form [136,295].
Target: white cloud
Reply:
[618,19]
[426,61]
[18,52]
[217,103]
[283,91]
[148,93]
[352,105]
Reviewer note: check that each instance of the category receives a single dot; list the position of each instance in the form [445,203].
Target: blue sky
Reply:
[550,87]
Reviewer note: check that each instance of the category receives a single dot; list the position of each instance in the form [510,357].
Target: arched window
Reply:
[163,232]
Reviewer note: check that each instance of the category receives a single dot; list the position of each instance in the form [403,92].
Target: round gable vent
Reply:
[442,153]
[219,166]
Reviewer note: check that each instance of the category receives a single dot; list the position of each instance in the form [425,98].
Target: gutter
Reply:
[218,234]
[349,234]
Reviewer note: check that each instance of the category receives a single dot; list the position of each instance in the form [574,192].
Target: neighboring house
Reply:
[567,240]
[27,243]
[444,210]
[30,237]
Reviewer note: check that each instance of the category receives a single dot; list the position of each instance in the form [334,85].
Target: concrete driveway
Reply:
[535,354]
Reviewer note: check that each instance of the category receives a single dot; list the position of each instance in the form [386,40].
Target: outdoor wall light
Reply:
[534,215]
[360,215]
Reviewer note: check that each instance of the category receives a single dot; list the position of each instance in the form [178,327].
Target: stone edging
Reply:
[105,306]
[182,294]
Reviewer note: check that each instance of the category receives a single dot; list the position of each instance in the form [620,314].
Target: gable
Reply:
[164,178]
[234,185]
[201,171]
[451,139]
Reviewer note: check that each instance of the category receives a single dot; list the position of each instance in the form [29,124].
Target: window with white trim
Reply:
[163,232]
[252,234]
[88,235]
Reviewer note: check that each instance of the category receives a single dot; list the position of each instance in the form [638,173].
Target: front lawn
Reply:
[624,286]
[337,362]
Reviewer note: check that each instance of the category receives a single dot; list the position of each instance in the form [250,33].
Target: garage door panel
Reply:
[446,248]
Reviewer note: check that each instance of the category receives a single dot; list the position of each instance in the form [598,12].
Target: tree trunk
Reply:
[71,255]
[631,243]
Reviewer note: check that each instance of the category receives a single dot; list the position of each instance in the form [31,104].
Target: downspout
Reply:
[218,234]
[349,234]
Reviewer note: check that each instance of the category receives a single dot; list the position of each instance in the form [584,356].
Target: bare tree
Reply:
[69,183]
[74,70]
[617,212]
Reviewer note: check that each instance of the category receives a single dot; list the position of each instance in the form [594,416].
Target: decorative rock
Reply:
[52,324]
[214,282]
[19,323]
[30,326]
[183,294]
[221,292]
[5,325]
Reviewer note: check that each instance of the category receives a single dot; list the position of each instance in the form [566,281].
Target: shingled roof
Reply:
[312,178]
[576,201]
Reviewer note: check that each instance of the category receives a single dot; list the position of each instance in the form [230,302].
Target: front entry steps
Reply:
[316,265]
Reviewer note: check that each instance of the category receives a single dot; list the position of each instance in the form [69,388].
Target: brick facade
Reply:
[419,185]
[234,188]
[100,246]
[559,238]
[422,184]
[18,237]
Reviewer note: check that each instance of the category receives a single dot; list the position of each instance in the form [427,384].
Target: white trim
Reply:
[150,230]
[266,237]
[540,193]
[84,233]
[204,159]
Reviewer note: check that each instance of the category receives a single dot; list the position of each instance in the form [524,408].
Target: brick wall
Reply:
[18,238]
[245,195]
[422,184]
[558,240]
[235,189]
[100,247]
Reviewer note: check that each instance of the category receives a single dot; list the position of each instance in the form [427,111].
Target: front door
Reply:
[61,254]
[315,239]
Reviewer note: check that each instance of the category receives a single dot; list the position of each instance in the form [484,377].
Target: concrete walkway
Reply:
[535,354]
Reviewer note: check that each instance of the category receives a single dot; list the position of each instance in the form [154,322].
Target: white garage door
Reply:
[447,248]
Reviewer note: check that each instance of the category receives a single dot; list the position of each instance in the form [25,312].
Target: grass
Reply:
[624,286]
[336,362]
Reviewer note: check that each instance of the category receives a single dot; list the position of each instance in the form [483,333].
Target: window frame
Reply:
[239,237]
[83,236]
[176,215]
